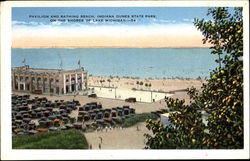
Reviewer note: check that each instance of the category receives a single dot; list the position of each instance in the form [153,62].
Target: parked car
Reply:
[37,92]
[131,99]
[93,95]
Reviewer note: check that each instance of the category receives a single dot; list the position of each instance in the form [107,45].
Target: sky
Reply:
[133,27]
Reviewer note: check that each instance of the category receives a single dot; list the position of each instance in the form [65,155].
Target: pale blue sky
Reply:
[164,15]
[170,27]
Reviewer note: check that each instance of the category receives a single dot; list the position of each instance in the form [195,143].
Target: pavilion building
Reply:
[51,81]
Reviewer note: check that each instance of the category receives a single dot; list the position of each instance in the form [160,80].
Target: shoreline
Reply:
[156,85]
[121,47]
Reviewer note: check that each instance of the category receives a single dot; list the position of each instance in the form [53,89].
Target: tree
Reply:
[137,82]
[109,81]
[221,98]
[149,85]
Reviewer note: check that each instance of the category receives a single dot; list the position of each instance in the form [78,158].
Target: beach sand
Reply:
[166,85]
[117,138]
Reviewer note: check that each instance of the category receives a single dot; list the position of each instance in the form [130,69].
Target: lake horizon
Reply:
[154,63]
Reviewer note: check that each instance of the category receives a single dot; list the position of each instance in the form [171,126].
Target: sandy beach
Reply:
[117,138]
[166,85]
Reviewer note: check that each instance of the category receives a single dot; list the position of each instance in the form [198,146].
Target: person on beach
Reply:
[100,147]
[100,139]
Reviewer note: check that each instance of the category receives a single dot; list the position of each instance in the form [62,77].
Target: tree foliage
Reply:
[221,98]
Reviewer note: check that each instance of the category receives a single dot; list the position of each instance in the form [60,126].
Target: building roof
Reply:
[26,68]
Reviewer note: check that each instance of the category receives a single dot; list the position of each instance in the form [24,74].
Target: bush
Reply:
[138,118]
[69,139]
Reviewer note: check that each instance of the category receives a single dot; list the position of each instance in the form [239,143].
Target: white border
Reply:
[6,149]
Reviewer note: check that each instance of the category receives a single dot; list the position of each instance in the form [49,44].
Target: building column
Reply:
[36,83]
[18,82]
[70,89]
[50,85]
[24,85]
[54,89]
[64,84]
[82,82]
[13,81]
[31,82]
[43,85]
[86,82]
[76,81]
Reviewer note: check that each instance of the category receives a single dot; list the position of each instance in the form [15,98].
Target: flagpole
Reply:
[79,63]
[24,62]
[61,64]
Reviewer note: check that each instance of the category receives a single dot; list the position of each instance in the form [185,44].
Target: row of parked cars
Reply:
[30,116]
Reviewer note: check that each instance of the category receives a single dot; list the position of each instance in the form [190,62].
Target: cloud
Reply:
[105,30]
[188,20]
[106,35]
[163,21]
[26,23]
[56,23]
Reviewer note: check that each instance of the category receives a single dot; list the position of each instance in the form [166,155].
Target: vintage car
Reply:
[93,95]
[130,99]
[37,92]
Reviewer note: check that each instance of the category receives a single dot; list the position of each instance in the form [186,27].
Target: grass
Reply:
[138,118]
[69,139]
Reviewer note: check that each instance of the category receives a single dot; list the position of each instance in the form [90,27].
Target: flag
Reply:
[79,62]
[61,64]
[23,61]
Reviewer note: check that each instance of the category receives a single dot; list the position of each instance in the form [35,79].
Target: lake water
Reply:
[128,62]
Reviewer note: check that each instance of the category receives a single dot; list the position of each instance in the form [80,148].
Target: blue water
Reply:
[128,62]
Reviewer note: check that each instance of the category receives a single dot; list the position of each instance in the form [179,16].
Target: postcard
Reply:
[124,80]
